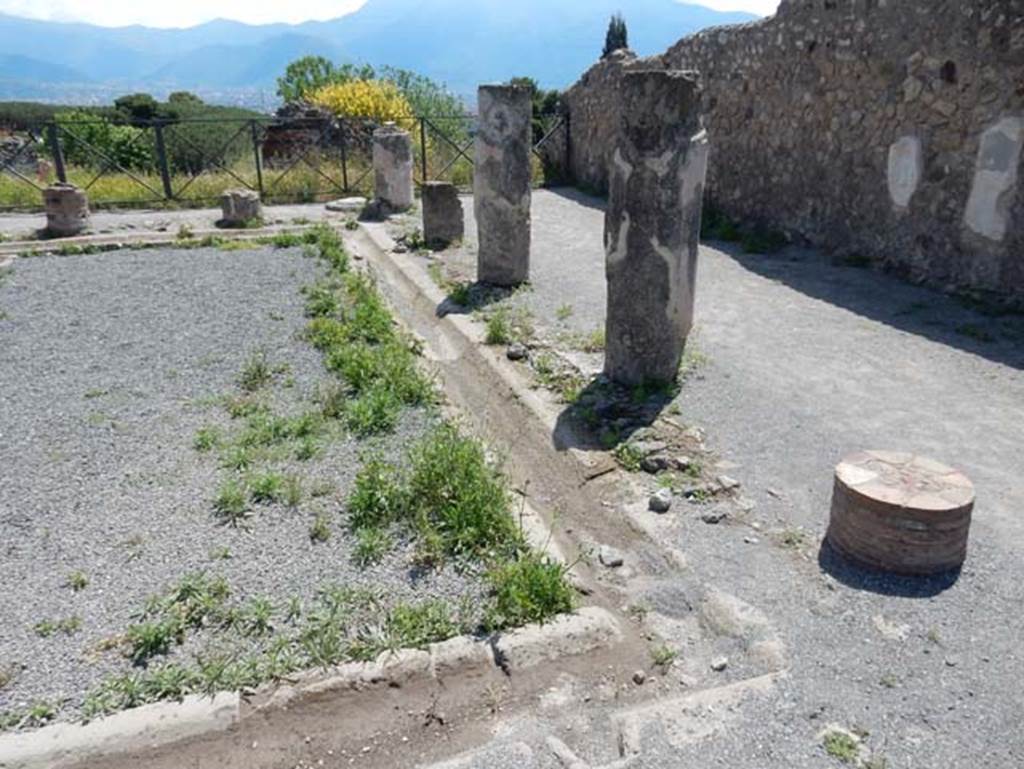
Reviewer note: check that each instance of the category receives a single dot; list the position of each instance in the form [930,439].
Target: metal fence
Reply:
[191,162]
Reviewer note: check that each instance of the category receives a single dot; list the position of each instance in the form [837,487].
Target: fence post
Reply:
[161,160]
[343,130]
[257,156]
[55,150]
[423,148]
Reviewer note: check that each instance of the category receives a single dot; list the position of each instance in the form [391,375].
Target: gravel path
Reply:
[806,362]
[109,364]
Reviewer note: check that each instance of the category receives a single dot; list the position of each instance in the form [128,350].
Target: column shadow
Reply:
[860,578]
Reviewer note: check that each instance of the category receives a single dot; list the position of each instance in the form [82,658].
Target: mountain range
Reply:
[452,41]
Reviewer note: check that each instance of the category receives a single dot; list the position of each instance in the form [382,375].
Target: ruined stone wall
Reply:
[889,129]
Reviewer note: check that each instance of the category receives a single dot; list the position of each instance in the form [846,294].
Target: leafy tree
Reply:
[184,99]
[617,36]
[85,133]
[137,107]
[302,76]
[544,103]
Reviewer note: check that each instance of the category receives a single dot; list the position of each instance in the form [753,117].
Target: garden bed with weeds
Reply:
[224,468]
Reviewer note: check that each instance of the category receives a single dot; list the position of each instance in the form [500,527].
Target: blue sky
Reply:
[183,13]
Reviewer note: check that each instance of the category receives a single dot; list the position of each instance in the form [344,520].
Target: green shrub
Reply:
[529,589]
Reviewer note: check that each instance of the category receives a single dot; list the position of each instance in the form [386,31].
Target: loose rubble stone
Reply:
[713,516]
[661,501]
[502,184]
[728,483]
[392,168]
[652,225]
[610,557]
[718,664]
[654,464]
[67,210]
[639,677]
[240,208]
[517,351]
[443,218]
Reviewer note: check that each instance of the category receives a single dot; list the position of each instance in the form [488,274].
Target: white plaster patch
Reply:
[620,162]
[995,177]
[695,169]
[617,251]
[906,167]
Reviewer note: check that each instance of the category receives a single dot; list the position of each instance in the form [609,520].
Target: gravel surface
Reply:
[807,362]
[25,225]
[109,364]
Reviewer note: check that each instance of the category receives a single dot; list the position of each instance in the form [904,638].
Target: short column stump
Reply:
[901,513]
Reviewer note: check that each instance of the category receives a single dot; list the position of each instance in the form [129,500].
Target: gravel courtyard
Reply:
[110,365]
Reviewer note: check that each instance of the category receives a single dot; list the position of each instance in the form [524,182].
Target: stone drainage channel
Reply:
[379,711]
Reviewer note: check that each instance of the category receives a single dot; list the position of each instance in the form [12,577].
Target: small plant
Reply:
[207,439]
[841,746]
[97,392]
[256,373]
[378,496]
[266,488]
[292,491]
[374,412]
[257,616]
[185,233]
[594,341]
[663,656]
[460,293]
[419,626]
[321,489]
[371,545]
[67,626]
[149,639]
[499,327]
[221,553]
[320,530]
[77,581]
[529,589]
[629,456]
[794,539]
[564,312]
[230,504]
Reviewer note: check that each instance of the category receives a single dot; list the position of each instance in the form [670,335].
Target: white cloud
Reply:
[179,13]
[760,7]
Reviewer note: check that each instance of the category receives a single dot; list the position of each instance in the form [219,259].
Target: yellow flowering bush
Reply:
[376,99]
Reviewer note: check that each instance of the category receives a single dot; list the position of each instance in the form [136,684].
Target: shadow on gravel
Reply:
[833,564]
[604,415]
[991,333]
[579,197]
[467,298]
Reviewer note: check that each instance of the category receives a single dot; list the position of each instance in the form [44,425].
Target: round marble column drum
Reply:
[901,513]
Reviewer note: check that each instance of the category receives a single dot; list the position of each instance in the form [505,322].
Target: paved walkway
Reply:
[806,362]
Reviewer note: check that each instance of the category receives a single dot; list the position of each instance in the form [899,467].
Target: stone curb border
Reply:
[163,723]
[13,249]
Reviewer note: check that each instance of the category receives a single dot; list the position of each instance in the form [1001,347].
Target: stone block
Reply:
[652,225]
[443,219]
[502,184]
[392,168]
[67,210]
[240,208]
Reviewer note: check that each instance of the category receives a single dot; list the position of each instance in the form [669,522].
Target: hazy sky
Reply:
[183,13]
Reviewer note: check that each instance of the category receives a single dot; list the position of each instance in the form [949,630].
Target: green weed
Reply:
[531,588]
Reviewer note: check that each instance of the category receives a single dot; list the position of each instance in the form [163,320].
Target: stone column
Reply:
[67,210]
[443,220]
[652,225]
[392,167]
[501,184]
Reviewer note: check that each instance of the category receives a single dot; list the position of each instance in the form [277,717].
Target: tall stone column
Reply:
[652,225]
[392,167]
[501,184]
